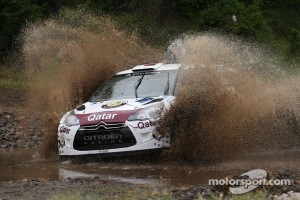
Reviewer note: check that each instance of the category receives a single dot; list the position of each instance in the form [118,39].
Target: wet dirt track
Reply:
[15,167]
[25,173]
[22,162]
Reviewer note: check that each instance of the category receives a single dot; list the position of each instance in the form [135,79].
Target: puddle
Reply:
[156,174]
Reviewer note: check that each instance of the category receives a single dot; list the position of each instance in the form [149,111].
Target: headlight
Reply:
[151,112]
[71,119]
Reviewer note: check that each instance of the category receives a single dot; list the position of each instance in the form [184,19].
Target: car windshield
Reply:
[137,85]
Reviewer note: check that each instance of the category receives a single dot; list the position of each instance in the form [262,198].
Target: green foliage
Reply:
[13,15]
[249,22]
[294,38]
[190,8]
[274,22]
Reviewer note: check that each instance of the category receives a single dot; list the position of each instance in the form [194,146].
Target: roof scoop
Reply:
[151,66]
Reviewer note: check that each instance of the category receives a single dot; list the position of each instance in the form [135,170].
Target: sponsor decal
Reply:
[143,125]
[104,151]
[111,136]
[142,73]
[64,130]
[156,135]
[153,101]
[145,73]
[108,117]
[61,141]
[97,117]
[144,100]
[114,104]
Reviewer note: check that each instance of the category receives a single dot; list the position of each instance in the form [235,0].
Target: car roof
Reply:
[151,66]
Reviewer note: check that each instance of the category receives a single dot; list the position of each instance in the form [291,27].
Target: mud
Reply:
[13,97]
[234,98]
[66,61]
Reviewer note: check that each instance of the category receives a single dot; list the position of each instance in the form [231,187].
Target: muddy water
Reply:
[161,174]
[233,97]
[70,61]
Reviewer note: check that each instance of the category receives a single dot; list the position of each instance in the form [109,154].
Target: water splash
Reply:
[68,57]
[233,99]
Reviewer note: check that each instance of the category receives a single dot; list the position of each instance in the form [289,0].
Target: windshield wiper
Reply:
[167,86]
[136,86]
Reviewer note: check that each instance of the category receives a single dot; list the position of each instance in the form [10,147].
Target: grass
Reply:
[116,192]
[10,78]
[253,195]
[17,84]
[74,196]
[249,196]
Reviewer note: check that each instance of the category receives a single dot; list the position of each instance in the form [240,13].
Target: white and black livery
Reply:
[122,115]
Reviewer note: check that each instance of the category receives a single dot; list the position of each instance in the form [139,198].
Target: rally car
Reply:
[122,115]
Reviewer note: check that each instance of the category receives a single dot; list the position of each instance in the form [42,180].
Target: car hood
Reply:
[114,111]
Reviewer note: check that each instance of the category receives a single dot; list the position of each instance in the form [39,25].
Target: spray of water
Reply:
[68,57]
[233,100]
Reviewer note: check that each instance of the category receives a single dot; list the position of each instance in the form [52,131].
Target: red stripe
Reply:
[107,117]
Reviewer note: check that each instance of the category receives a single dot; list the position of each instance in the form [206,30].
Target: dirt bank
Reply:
[76,189]
[19,128]
[12,97]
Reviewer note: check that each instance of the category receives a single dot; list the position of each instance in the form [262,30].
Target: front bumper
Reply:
[109,138]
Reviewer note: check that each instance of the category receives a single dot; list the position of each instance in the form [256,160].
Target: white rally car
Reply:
[122,114]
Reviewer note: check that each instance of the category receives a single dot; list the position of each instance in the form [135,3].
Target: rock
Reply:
[7,137]
[35,137]
[2,123]
[20,118]
[289,196]
[195,192]
[17,132]
[20,142]
[12,130]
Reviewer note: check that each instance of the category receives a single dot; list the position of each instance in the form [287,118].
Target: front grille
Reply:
[103,125]
[103,136]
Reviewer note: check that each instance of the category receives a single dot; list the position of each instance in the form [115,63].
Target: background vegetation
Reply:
[274,22]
